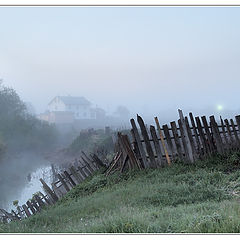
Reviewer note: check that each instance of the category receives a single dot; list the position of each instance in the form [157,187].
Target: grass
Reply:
[198,198]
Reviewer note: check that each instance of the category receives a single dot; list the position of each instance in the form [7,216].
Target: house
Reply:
[80,107]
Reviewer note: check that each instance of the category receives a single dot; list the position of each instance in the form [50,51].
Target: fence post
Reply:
[188,144]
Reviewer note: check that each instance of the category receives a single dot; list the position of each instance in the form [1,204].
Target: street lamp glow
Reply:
[219,107]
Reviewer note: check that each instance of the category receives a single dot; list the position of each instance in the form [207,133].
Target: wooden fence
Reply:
[68,179]
[189,139]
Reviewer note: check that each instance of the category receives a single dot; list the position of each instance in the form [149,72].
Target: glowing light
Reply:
[219,107]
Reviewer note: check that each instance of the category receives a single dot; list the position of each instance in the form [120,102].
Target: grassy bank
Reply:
[182,198]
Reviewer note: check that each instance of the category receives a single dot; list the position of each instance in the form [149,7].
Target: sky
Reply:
[150,59]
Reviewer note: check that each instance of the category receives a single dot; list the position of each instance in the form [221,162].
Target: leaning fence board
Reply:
[31,207]
[216,135]
[26,210]
[238,122]
[195,133]
[139,143]
[235,133]
[49,190]
[176,139]
[9,215]
[88,162]
[146,141]
[19,210]
[39,201]
[189,153]
[169,141]
[227,144]
[75,174]
[162,140]
[69,178]
[160,160]
[36,206]
[229,133]
[135,148]
[82,172]
[61,179]
[202,136]
[183,139]
[208,134]
[190,136]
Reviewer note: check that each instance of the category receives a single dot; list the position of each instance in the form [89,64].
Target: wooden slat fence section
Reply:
[192,139]
[65,182]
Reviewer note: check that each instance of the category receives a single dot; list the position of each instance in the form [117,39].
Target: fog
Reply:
[148,59]
[151,60]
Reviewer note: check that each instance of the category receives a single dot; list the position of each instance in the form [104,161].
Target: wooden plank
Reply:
[231,140]
[205,146]
[26,210]
[176,139]
[19,210]
[147,142]
[90,169]
[238,122]
[190,136]
[189,153]
[183,140]
[208,134]
[139,144]
[88,162]
[69,178]
[82,172]
[76,175]
[61,179]
[48,202]
[235,133]
[162,140]
[39,201]
[36,206]
[49,190]
[15,215]
[227,144]
[31,207]
[124,150]
[216,135]
[195,133]
[57,191]
[7,214]
[160,160]
[130,152]
[98,160]
[168,140]
[136,149]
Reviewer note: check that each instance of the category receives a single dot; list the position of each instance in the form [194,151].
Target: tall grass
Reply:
[202,197]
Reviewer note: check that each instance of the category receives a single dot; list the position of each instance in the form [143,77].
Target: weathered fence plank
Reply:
[195,133]
[49,190]
[146,141]
[139,143]
[69,178]
[162,140]
[216,135]
[208,134]
[189,150]
[31,207]
[26,210]
[176,139]
[160,161]
[75,175]
[169,141]
[61,179]
[229,133]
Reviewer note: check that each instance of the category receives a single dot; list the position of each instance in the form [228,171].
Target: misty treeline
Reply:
[19,130]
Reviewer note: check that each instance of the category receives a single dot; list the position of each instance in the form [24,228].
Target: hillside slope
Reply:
[182,198]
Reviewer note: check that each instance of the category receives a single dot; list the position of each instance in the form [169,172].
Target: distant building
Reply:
[79,106]
[72,110]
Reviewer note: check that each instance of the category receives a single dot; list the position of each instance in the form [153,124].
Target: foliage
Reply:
[19,130]
[197,198]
